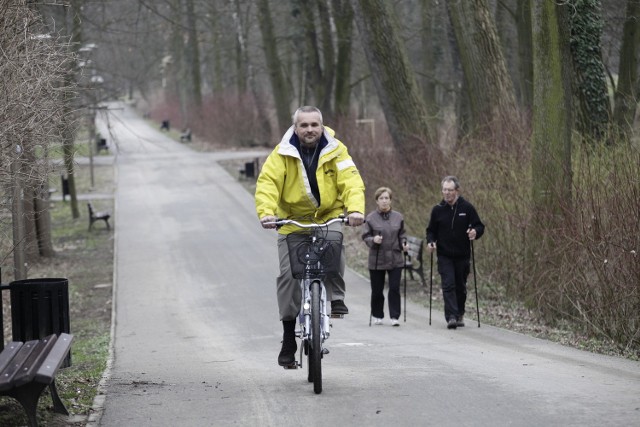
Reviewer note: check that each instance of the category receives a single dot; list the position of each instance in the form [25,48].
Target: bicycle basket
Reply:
[314,252]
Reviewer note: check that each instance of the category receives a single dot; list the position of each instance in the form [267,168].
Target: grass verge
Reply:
[85,258]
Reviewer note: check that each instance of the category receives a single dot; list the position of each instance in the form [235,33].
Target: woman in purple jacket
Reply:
[385,235]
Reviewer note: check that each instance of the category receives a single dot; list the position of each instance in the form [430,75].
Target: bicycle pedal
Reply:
[294,365]
[336,316]
[325,351]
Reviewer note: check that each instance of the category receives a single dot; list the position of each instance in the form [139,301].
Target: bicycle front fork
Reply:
[304,317]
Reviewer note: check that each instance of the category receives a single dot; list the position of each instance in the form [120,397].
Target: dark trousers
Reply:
[377,294]
[453,273]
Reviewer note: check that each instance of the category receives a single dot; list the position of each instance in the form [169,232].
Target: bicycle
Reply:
[314,252]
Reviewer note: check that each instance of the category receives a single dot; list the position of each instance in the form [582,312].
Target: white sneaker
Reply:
[394,322]
[377,321]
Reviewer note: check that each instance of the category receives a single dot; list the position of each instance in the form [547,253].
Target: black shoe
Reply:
[460,321]
[338,307]
[452,323]
[287,355]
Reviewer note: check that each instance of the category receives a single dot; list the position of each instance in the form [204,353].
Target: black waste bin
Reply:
[249,170]
[65,187]
[39,308]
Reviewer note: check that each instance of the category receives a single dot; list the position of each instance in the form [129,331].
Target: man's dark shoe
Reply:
[460,321]
[452,323]
[338,307]
[287,355]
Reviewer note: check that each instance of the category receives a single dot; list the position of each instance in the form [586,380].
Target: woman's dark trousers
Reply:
[377,294]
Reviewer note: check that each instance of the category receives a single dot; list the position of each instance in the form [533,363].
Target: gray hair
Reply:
[451,178]
[305,109]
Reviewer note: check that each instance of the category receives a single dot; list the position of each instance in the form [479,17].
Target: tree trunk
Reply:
[489,86]
[431,38]
[192,59]
[625,100]
[260,105]
[551,143]
[343,16]
[393,76]
[315,89]
[17,211]
[68,148]
[593,112]
[328,56]
[215,62]
[525,54]
[43,222]
[281,92]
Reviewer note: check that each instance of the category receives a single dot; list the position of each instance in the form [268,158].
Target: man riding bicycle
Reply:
[309,175]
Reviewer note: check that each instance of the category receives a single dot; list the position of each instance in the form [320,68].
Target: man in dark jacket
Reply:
[454,222]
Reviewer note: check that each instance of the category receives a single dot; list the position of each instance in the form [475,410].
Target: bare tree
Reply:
[32,69]
[281,92]
[236,11]
[490,89]
[625,100]
[192,57]
[552,126]
[343,18]
[393,75]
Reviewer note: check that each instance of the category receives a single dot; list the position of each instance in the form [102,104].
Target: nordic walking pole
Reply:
[430,287]
[377,253]
[475,282]
[405,281]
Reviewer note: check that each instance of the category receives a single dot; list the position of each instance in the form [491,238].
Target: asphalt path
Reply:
[196,331]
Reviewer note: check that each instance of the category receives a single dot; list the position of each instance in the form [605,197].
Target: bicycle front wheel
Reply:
[315,355]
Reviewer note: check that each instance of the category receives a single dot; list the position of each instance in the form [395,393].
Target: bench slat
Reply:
[10,350]
[7,375]
[30,366]
[48,368]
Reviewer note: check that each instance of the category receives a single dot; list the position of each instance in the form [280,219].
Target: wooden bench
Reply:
[97,216]
[27,368]
[185,136]
[101,144]
[414,262]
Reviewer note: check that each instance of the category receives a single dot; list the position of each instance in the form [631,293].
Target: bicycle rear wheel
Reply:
[315,358]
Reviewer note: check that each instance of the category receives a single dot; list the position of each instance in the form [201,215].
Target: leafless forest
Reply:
[531,103]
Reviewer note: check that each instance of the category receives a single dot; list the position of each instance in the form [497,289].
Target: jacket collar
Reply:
[287,148]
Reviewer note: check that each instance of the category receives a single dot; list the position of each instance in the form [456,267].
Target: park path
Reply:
[196,332]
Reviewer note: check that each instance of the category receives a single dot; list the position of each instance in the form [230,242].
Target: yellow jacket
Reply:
[283,188]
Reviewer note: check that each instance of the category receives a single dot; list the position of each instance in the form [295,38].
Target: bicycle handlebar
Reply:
[281,222]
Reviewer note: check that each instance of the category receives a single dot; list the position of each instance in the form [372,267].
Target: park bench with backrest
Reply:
[414,261]
[97,216]
[27,368]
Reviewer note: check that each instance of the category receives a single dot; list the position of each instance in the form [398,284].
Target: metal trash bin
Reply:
[39,308]
[250,170]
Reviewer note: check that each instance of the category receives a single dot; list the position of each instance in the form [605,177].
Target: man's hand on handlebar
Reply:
[266,219]
[355,219]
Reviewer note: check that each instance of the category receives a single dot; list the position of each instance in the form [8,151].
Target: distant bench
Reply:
[185,136]
[97,216]
[27,368]
[414,262]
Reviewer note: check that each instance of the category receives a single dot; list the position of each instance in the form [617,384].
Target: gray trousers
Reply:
[288,288]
